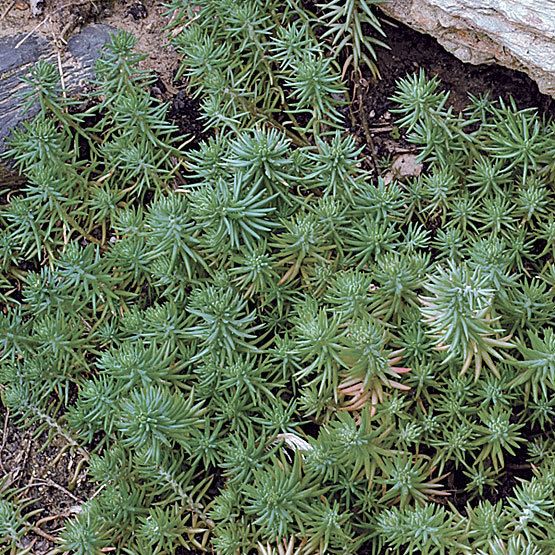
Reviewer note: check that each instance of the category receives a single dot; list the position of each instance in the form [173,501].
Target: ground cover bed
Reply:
[285,286]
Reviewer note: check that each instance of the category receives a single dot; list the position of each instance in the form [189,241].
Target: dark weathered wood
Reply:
[9,179]
[17,55]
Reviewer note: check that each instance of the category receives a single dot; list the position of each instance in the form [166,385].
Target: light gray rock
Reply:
[37,7]
[519,34]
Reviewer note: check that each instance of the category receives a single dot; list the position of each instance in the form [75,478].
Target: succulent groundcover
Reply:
[257,342]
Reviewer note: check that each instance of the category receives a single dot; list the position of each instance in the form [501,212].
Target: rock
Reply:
[519,34]
[37,7]
[403,166]
[137,11]
[18,55]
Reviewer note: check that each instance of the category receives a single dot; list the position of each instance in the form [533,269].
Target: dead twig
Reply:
[65,514]
[32,31]
[7,10]
[382,129]
[367,133]
[51,483]
[358,85]
[75,476]
[61,72]
[4,439]
[43,534]
[49,17]
[22,467]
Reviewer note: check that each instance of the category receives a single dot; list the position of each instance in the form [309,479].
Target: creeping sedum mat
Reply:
[255,344]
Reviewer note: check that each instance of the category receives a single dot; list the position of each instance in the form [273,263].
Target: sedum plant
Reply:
[252,343]
[345,21]
[458,311]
